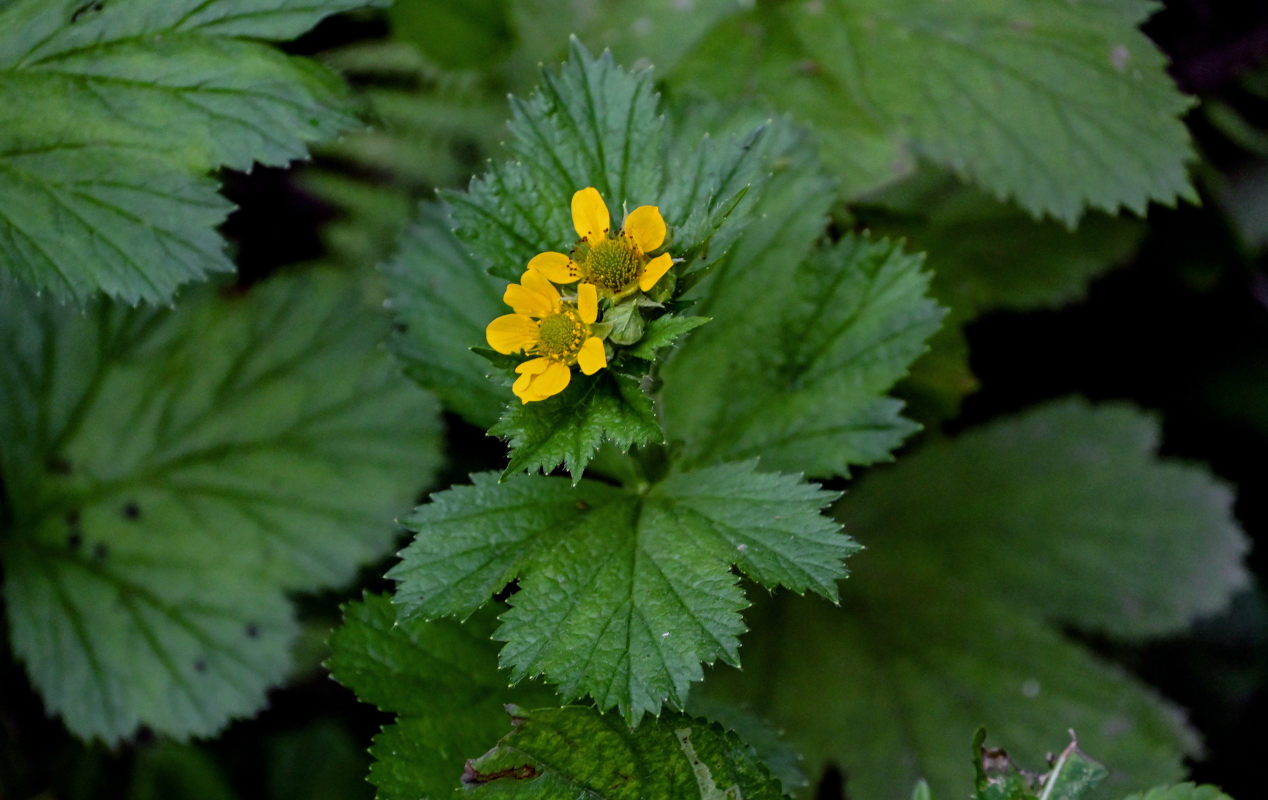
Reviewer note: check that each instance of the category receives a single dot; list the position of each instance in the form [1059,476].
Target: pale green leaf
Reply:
[979,547]
[1061,106]
[440,678]
[565,753]
[173,474]
[1116,540]
[622,593]
[904,668]
[111,114]
[663,32]
[767,67]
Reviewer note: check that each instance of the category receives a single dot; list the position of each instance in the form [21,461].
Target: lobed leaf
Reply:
[622,593]
[564,753]
[1060,106]
[173,474]
[803,385]
[982,546]
[111,114]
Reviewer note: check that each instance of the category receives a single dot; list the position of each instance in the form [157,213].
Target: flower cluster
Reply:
[609,268]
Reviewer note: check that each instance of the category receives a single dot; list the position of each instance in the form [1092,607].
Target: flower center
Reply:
[560,335]
[613,263]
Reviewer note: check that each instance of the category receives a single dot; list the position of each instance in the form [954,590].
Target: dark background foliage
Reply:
[1180,328]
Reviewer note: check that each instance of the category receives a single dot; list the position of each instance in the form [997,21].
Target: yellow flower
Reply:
[555,330]
[613,261]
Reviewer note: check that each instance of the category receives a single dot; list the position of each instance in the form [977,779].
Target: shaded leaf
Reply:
[442,301]
[978,546]
[173,474]
[112,113]
[442,681]
[563,753]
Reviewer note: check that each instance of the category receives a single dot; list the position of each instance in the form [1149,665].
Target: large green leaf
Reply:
[566,753]
[440,678]
[111,116]
[1060,106]
[622,592]
[172,474]
[978,548]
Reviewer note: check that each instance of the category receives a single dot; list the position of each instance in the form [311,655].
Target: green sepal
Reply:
[627,323]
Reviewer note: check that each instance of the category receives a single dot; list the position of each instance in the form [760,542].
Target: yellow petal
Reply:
[654,271]
[589,214]
[555,266]
[511,333]
[526,301]
[550,382]
[588,302]
[520,387]
[534,366]
[540,285]
[646,227]
[591,357]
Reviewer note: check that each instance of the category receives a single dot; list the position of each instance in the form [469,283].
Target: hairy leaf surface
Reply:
[111,116]
[1060,106]
[173,473]
[622,593]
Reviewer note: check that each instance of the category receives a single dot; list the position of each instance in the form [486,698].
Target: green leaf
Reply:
[111,114]
[564,753]
[987,255]
[980,548]
[1062,107]
[1181,791]
[767,67]
[569,427]
[1118,541]
[768,743]
[173,474]
[1071,777]
[622,593]
[662,332]
[442,681]
[442,301]
[802,384]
